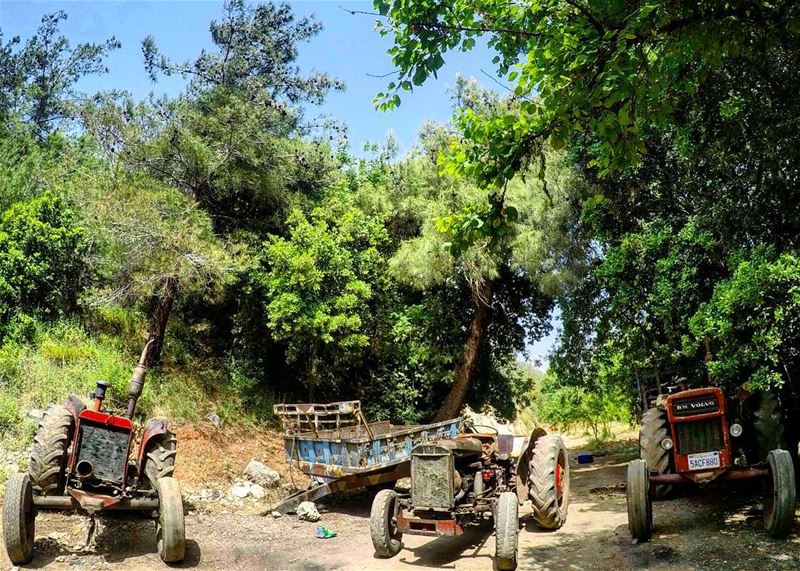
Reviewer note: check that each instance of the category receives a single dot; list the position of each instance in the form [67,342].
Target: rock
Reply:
[240,490]
[257,491]
[261,474]
[214,419]
[276,515]
[35,414]
[307,511]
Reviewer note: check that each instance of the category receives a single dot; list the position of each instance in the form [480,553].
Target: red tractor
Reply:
[85,458]
[698,436]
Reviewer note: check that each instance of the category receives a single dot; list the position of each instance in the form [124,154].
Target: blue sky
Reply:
[347,48]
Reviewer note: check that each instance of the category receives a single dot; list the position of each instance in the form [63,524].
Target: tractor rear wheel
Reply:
[640,505]
[767,419]
[48,461]
[19,519]
[170,527]
[654,428]
[159,458]
[506,528]
[548,481]
[386,540]
[780,494]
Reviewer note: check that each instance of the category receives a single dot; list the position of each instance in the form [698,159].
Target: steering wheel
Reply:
[493,429]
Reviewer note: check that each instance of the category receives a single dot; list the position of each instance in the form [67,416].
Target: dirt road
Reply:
[721,530]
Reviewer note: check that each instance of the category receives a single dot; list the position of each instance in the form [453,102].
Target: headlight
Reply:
[736,430]
[666,443]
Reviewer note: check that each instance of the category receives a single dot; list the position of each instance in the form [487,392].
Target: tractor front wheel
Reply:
[170,527]
[640,504]
[386,539]
[548,481]
[19,519]
[506,528]
[780,494]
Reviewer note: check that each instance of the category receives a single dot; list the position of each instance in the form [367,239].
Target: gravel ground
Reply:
[711,530]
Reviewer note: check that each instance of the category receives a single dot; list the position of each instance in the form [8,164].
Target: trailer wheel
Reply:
[170,527]
[654,428]
[640,505]
[19,519]
[780,494]
[506,528]
[159,458]
[548,482]
[48,461]
[386,540]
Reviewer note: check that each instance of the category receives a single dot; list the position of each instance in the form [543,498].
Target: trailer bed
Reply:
[339,449]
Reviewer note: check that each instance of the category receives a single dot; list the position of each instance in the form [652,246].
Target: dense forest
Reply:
[640,176]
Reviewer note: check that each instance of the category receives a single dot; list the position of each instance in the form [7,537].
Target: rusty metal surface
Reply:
[334,458]
[702,477]
[432,476]
[408,523]
[79,499]
[349,482]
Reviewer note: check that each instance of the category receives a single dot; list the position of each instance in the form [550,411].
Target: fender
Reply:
[523,468]
[75,405]
[154,427]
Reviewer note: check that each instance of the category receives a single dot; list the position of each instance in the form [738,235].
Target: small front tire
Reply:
[386,539]
[506,527]
[19,519]
[640,504]
[780,495]
[170,527]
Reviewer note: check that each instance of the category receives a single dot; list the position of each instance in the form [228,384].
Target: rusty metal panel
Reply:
[432,477]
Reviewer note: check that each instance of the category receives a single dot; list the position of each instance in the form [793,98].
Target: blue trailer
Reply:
[335,445]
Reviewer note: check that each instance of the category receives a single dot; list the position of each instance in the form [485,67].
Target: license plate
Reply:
[704,461]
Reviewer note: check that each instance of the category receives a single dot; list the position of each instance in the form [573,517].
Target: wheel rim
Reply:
[29,516]
[769,494]
[560,469]
[392,523]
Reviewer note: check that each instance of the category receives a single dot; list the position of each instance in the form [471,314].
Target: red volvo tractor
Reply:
[86,458]
[698,436]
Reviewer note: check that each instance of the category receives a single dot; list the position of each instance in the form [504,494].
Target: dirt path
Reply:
[721,530]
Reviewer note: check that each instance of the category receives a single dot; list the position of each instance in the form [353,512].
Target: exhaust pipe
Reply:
[84,469]
[137,380]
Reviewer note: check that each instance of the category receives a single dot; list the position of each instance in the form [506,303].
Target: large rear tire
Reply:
[654,428]
[386,540]
[48,461]
[170,527]
[767,419]
[19,519]
[548,481]
[506,528]
[640,505]
[780,495]
[159,458]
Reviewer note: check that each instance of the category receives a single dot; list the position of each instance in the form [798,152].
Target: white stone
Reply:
[261,474]
[240,490]
[307,511]
[257,491]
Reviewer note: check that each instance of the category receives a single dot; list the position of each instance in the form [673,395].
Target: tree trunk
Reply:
[158,324]
[482,298]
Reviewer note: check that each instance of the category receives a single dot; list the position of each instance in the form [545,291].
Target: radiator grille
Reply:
[107,449]
[432,478]
[699,436]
